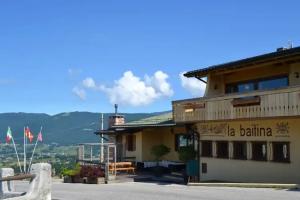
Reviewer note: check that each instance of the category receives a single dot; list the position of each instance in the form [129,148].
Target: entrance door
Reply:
[194,141]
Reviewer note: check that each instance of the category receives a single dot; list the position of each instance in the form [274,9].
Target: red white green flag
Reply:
[8,135]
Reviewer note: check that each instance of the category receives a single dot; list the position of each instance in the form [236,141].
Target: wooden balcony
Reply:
[256,104]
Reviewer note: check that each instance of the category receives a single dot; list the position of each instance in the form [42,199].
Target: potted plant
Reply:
[158,151]
[187,156]
[72,175]
[91,173]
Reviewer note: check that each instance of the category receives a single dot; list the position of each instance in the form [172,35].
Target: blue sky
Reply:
[48,48]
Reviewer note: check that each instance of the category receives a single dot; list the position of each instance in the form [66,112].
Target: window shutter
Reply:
[133,142]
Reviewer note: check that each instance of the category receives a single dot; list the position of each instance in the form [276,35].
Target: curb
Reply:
[248,185]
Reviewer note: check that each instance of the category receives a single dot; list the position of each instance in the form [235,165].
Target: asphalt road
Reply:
[152,191]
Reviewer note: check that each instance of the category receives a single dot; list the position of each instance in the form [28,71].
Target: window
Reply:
[222,149]
[273,83]
[240,150]
[204,168]
[206,148]
[259,151]
[246,87]
[281,151]
[261,84]
[182,140]
[131,142]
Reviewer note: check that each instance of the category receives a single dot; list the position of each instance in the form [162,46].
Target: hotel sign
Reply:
[281,129]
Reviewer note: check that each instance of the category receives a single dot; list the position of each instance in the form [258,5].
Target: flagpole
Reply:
[12,138]
[24,152]
[34,149]
[101,149]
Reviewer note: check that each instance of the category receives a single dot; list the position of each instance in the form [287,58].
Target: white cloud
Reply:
[132,90]
[193,85]
[160,84]
[79,92]
[89,83]
[74,72]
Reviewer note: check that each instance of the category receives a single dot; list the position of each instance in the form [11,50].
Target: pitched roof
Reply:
[279,54]
[165,119]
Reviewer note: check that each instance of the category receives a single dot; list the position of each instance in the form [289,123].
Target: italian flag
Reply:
[8,135]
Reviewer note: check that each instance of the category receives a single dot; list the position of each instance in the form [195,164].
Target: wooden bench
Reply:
[122,166]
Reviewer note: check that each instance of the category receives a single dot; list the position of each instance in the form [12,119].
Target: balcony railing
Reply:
[255,104]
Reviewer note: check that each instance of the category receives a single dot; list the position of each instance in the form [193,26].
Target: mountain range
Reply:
[63,128]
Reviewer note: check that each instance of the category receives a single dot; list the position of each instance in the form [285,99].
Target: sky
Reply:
[74,55]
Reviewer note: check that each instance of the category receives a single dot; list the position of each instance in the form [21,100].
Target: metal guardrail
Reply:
[17,177]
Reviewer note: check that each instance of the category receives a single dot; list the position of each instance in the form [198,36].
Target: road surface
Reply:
[153,191]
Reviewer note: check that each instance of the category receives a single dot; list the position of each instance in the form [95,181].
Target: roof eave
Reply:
[284,54]
[144,126]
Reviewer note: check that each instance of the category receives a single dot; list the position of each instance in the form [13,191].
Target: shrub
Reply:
[159,151]
[187,153]
[91,171]
[72,172]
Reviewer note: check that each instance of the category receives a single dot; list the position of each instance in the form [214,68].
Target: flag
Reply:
[30,137]
[8,135]
[28,134]
[27,131]
[40,137]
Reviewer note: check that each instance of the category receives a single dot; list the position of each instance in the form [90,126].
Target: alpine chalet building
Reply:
[249,119]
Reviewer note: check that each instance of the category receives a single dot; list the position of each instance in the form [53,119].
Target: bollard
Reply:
[6,186]
[40,185]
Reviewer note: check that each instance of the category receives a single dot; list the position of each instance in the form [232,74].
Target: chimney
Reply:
[281,49]
[290,46]
[116,109]
[116,119]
